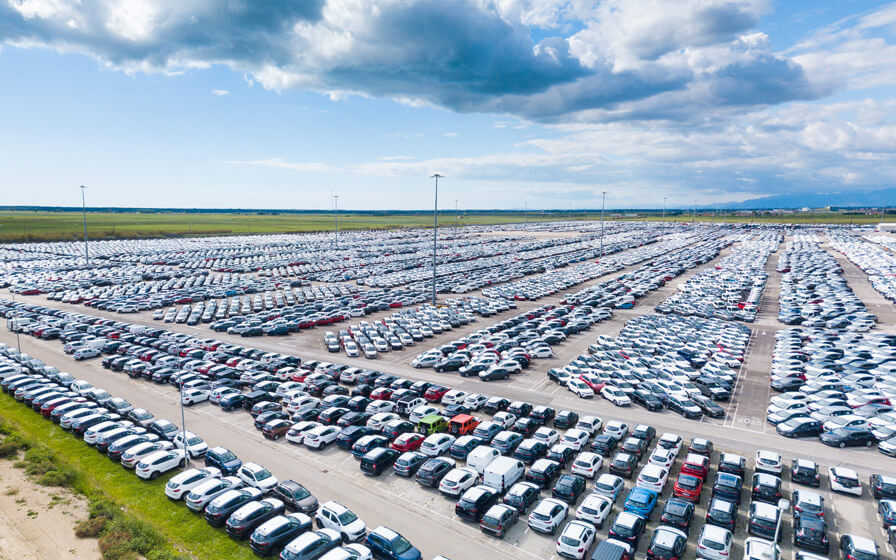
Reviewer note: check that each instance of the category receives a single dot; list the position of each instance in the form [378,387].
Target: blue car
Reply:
[387,544]
[223,459]
[640,502]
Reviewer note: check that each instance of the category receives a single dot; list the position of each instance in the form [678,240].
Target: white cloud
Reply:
[277,163]
[220,92]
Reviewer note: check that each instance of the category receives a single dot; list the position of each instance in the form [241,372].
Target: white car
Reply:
[548,436]
[580,389]
[421,412]
[379,407]
[379,420]
[86,352]
[193,396]
[661,457]
[768,461]
[196,446]
[205,492]
[547,515]
[587,464]
[540,352]
[458,480]
[302,403]
[756,548]
[454,396]
[154,464]
[595,509]
[671,442]
[321,436]
[591,424]
[296,433]
[575,438]
[336,517]
[504,418]
[256,476]
[617,429]
[436,444]
[181,484]
[217,394]
[576,539]
[616,396]
[134,455]
[94,432]
[845,481]
[475,401]
[714,543]
[353,551]
[427,360]
[653,478]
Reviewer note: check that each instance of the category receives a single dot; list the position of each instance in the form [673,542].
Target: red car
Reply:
[408,442]
[435,393]
[688,487]
[696,465]
[381,394]
[593,382]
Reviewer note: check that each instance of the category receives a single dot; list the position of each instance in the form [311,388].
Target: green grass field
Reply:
[21,225]
[97,475]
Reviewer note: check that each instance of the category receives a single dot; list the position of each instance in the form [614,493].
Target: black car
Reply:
[623,464]
[525,426]
[543,472]
[542,414]
[295,496]
[803,471]
[722,513]
[685,407]
[243,521]
[306,414]
[217,512]
[254,397]
[634,446]
[270,416]
[848,437]
[628,528]
[766,488]
[882,486]
[353,419]
[810,532]
[231,401]
[475,502]
[521,496]
[645,432]
[520,409]
[496,404]
[727,486]
[851,549]
[433,471]
[331,416]
[646,399]
[568,488]
[277,532]
[565,419]
[378,460]
[678,513]
[530,450]
[348,436]
[604,444]
[732,464]
[264,406]
[163,428]
[358,403]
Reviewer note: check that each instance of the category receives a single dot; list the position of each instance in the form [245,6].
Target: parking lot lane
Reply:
[861,286]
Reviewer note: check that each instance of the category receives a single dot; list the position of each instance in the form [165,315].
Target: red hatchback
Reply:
[408,442]
[688,487]
[696,465]
[435,393]
[381,394]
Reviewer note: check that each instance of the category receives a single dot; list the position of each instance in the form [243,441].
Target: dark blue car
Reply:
[223,459]
[387,544]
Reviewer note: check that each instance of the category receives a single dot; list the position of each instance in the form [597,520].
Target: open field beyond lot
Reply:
[19,226]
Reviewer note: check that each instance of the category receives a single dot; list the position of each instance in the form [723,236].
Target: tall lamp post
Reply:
[336,217]
[435,232]
[456,215]
[16,325]
[84,211]
[602,205]
[183,423]
[663,235]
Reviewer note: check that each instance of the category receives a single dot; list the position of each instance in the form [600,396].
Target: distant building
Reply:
[891,227]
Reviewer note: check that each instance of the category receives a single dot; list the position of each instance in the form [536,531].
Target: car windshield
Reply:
[263,474]
[347,517]
[194,441]
[400,545]
[709,543]
[227,456]
[569,541]
[623,531]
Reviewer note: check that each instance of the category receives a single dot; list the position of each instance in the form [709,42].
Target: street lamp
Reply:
[663,235]
[435,232]
[336,217]
[84,211]
[15,323]
[456,215]
[602,204]
[183,423]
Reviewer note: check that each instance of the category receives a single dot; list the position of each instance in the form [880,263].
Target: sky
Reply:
[518,103]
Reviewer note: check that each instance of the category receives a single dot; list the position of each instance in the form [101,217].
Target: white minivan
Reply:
[481,457]
[503,472]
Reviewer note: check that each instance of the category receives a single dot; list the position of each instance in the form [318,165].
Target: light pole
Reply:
[603,202]
[456,215]
[435,232]
[15,323]
[84,211]
[526,212]
[663,235]
[336,217]
[183,423]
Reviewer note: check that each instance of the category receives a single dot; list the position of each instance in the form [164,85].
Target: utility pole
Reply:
[336,217]
[526,212]
[84,211]
[16,324]
[456,215]
[435,232]
[183,423]
[602,205]
[694,213]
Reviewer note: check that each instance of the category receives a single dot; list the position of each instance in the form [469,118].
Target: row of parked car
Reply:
[246,499]
[684,364]
[732,290]
[868,254]
[509,346]
[814,292]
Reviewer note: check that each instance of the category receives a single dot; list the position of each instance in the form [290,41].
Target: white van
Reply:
[481,457]
[503,472]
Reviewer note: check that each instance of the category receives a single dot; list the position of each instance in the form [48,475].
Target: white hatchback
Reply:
[181,484]
[587,464]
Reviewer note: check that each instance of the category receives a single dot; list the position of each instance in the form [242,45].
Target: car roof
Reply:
[863,544]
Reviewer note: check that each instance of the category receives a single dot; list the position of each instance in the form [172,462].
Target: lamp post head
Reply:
[437,176]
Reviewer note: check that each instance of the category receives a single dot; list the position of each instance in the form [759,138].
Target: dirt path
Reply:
[38,522]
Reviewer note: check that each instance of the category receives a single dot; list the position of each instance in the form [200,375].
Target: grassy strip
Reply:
[132,517]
